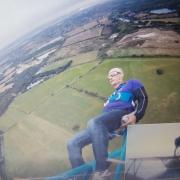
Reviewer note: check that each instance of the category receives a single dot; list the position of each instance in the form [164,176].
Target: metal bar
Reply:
[3,175]
[117,161]
[120,167]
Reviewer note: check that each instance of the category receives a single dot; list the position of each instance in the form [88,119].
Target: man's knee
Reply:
[93,123]
[71,144]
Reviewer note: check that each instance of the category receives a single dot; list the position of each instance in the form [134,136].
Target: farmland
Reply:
[40,121]
[54,80]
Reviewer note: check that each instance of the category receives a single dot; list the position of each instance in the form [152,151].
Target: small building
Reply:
[114,36]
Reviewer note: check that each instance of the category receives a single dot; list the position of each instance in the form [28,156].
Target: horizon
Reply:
[23,17]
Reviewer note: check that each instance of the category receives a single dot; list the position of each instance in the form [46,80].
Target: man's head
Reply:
[115,77]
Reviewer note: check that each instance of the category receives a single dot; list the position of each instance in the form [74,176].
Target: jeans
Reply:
[96,133]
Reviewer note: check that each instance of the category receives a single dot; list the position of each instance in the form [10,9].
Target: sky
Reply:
[18,17]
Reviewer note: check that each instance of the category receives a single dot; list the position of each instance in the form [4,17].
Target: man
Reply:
[120,104]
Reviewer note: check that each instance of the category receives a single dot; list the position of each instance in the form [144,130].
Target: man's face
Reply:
[115,77]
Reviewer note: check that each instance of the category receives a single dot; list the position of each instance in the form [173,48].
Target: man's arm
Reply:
[141,97]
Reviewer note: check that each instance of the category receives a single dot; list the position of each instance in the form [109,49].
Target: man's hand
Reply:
[128,119]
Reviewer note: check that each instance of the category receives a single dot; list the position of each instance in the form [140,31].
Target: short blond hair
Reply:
[118,70]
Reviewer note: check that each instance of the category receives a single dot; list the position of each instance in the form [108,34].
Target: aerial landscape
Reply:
[53,80]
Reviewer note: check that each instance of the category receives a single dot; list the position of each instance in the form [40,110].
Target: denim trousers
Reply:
[97,134]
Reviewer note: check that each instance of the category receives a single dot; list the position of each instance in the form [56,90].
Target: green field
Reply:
[81,58]
[54,65]
[43,119]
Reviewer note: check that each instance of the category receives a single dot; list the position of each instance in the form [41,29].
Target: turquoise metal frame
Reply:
[88,168]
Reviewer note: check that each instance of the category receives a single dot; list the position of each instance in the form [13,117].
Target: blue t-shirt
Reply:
[123,96]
